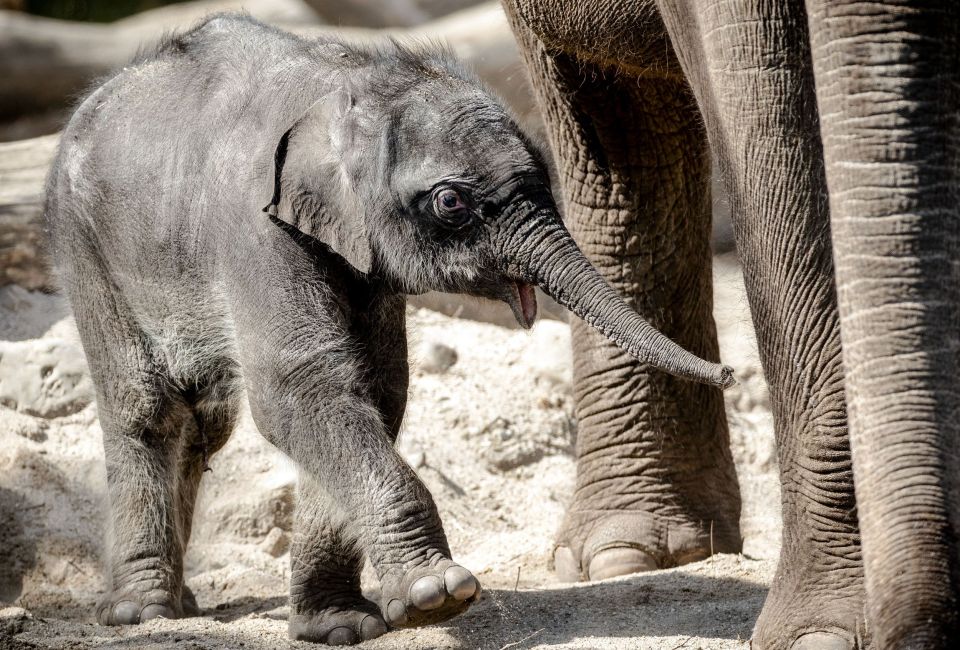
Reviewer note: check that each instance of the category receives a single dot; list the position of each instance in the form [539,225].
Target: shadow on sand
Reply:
[637,612]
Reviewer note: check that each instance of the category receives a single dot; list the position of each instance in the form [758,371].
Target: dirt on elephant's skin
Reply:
[491,435]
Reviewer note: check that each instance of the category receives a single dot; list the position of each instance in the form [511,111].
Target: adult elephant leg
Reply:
[887,77]
[655,485]
[751,73]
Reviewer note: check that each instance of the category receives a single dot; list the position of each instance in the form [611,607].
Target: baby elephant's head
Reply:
[414,174]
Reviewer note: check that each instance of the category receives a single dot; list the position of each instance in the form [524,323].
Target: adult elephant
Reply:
[835,127]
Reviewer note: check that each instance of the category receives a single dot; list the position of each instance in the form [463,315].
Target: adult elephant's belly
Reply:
[622,34]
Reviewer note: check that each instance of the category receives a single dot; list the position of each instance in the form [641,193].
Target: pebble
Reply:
[275,543]
[416,459]
[437,358]
[45,378]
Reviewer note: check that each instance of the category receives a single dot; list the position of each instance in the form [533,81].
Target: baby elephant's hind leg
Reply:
[142,421]
[326,605]
[141,424]
[146,557]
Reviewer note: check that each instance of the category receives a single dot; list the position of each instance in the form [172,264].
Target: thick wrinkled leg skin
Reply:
[339,423]
[141,420]
[779,205]
[656,486]
[150,433]
[326,605]
[429,587]
[151,586]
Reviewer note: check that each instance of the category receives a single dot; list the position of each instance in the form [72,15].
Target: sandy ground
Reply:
[491,436]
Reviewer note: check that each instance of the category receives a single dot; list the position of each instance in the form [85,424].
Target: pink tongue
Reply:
[528,302]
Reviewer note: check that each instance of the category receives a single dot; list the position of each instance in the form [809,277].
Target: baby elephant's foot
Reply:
[338,625]
[427,594]
[129,606]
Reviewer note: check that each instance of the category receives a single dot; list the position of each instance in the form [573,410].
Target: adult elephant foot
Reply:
[816,610]
[599,544]
[656,486]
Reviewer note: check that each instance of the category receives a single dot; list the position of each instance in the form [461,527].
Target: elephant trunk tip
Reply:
[723,377]
[672,358]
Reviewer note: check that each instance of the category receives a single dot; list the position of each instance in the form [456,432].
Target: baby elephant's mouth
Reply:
[523,302]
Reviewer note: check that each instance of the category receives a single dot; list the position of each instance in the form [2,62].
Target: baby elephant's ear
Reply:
[308,183]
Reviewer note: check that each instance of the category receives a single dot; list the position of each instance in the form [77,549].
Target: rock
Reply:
[28,314]
[46,378]
[416,458]
[24,425]
[13,620]
[513,444]
[503,458]
[275,543]
[23,168]
[27,467]
[437,358]
[255,513]
[507,450]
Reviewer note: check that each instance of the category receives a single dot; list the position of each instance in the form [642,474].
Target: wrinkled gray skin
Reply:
[835,126]
[186,289]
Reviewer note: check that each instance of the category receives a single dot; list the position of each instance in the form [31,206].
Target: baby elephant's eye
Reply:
[450,200]
[451,207]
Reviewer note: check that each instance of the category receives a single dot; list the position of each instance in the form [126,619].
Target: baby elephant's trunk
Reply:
[546,255]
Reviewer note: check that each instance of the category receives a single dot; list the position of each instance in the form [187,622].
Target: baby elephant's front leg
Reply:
[345,447]
[419,583]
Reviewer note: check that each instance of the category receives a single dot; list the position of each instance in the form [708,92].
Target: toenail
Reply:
[427,593]
[620,561]
[371,627]
[459,582]
[821,641]
[156,611]
[565,566]
[341,636]
[396,612]
[126,612]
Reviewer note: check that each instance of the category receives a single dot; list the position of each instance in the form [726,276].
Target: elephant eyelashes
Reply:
[450,207]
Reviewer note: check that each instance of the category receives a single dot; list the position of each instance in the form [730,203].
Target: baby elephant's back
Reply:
[162,155]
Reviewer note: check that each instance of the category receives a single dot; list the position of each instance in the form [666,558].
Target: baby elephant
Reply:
[385,171]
